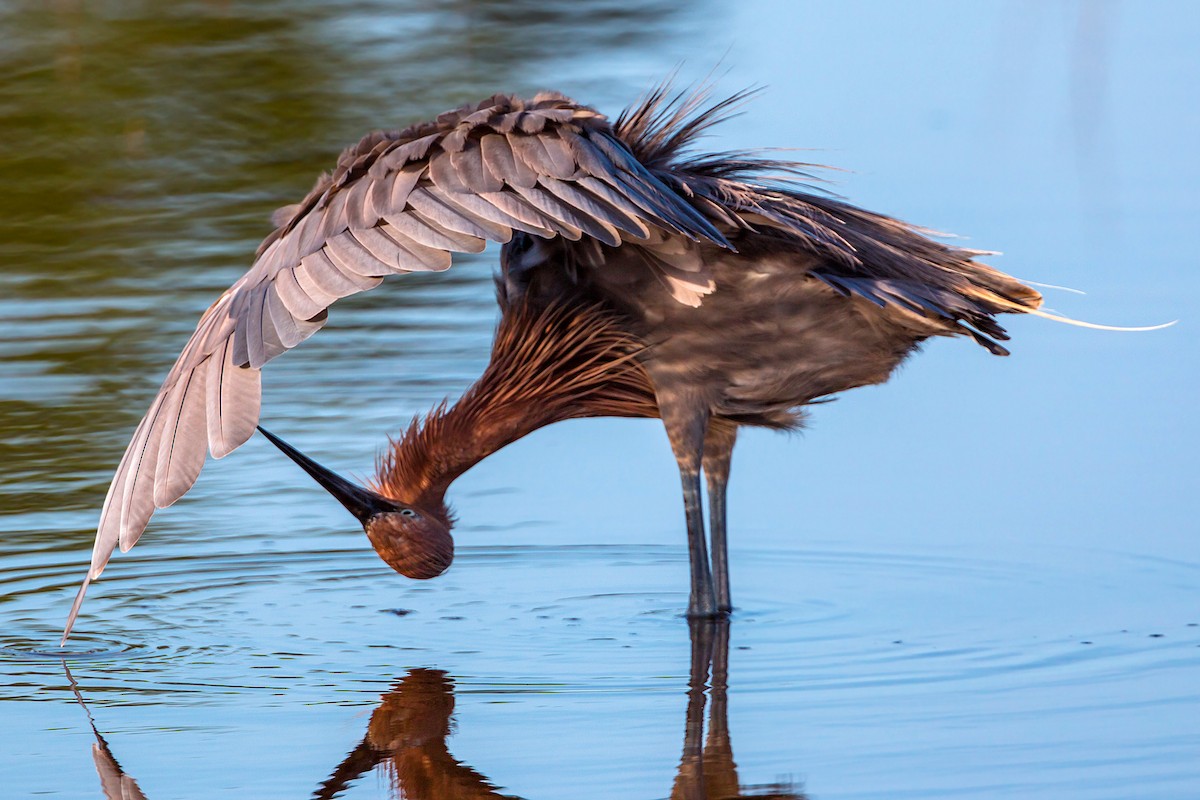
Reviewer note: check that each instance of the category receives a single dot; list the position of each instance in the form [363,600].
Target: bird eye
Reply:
[407,512]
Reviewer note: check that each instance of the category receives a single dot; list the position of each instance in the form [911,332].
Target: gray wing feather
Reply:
[432,210]
[532,220]
[468,163]
[232,396]
[629,211]
[360,206]
[446,177]
[352,258]
[181,452]
[299,303]
[396,202]
[415,256]
[503,165]
[434,236]
[292,330]
[137,506]
[486,209]
[318,270]
[555,161]
[595,208]
[555,208]
[305,238]
[651,208]
[333,217]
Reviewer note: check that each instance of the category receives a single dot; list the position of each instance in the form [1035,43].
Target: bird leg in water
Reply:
[701,602]
[685,429]
[718,452]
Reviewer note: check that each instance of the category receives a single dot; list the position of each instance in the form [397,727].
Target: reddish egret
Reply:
[639,278]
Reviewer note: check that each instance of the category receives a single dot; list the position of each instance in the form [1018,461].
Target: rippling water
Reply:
[979,580]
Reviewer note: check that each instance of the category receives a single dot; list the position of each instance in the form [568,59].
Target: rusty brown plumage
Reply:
[547,365]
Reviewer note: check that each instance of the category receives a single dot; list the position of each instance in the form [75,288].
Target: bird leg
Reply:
[686,429]
[718,452]
[701,601]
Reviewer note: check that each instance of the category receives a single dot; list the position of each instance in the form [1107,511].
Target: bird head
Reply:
[413,541]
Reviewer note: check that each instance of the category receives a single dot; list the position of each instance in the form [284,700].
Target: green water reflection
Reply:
[144,147]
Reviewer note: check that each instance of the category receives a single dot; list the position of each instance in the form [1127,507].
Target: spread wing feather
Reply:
[397,202]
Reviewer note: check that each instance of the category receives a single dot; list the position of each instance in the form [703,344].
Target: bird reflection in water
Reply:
[406,740]
[707,770]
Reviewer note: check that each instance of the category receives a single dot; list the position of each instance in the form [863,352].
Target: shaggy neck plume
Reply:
[547,365]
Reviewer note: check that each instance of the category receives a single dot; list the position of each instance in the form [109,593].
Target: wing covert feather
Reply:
[428,207]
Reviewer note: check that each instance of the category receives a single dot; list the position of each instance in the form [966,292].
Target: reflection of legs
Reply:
[701,633]
[718,451]
[689,783]
[686,432]
[720,771]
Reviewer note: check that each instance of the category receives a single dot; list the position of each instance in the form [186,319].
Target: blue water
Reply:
[980,580]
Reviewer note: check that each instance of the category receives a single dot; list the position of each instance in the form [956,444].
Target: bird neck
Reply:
[563,361]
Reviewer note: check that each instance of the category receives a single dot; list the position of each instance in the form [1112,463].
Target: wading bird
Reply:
[638,279]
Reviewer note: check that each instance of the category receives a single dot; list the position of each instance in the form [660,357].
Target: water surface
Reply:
[978,580]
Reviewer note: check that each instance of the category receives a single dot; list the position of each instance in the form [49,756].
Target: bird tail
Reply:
[1013,296]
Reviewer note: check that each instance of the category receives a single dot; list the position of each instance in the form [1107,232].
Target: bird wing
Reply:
[765,205]
[397,202]
[884,260]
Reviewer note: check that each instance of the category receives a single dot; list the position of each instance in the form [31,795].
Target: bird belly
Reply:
[770,340]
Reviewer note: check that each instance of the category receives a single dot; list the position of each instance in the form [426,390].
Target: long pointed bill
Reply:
[362,503]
